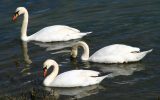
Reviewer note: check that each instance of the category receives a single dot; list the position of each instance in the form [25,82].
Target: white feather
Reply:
[77,78]
[118,53]
[56,33]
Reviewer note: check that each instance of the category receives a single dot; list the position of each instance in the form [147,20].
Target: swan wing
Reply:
[116,53]
[75,78]
[115,49]
[56,33]
[59,29]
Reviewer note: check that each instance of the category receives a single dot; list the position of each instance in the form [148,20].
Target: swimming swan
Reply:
[47,34]
[116,53]
[72,78]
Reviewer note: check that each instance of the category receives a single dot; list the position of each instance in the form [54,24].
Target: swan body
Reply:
[116,53]
[47,34]
[72,78]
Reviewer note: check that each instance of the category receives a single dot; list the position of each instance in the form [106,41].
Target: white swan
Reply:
[47,34]
[72,78]
[116,53]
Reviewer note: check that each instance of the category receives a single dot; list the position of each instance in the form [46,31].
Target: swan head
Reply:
[47,64]
[74,51]
[19,11]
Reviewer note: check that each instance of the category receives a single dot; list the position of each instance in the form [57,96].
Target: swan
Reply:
[116,53]
[47,34]
[72,78]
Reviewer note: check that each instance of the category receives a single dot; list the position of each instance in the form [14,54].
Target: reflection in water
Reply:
[113,69]
[120,69]
[77,92]
[77,65]
[25,53]
[27,60]
[56,45]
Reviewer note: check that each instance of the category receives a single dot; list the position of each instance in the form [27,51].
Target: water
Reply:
[130,22]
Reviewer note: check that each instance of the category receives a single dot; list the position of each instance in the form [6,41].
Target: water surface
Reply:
[130,22]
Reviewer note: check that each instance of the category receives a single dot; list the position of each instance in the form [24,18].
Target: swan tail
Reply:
[85,33]
[88,32]
[141,55]
[105,76]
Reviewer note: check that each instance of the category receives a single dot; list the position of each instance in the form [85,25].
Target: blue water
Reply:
[130,22]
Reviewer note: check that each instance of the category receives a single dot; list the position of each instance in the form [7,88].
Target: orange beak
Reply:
[45,72]
[14,18]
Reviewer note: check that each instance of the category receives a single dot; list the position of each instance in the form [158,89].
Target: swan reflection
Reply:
[25,53]
[120,69]
[26,57]
[77,92]
[56,45]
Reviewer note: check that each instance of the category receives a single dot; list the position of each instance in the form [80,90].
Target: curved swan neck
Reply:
[85,55]
[53,75]
[24,26]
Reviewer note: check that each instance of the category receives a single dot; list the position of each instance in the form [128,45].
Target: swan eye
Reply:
[16,13]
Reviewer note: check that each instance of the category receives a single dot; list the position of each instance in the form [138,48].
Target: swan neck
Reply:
[85,55]
[49,79]
[24,26]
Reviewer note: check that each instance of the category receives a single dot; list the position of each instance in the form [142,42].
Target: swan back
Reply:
[118,53]
[77,78]
[56,33]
